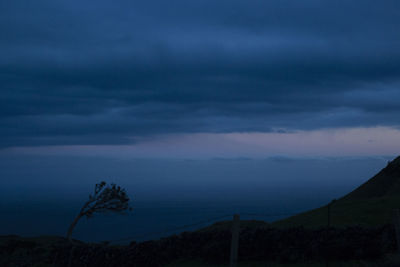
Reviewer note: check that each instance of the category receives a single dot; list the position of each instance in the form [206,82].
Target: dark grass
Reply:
[365,212]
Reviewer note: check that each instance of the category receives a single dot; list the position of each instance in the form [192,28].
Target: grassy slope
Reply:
[370,204]
[368,212]
[383,184]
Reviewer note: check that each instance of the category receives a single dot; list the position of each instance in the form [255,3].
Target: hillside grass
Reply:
[344,212]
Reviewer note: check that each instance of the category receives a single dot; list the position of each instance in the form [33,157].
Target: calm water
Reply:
[146,221]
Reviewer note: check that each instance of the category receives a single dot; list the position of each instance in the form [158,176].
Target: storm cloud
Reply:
[80,72]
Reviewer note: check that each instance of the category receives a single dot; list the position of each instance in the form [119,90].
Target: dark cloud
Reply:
[79,72]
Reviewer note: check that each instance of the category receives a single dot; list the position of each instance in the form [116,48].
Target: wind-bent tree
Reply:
[106,198]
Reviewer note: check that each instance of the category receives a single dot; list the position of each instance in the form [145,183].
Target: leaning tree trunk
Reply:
[72,226]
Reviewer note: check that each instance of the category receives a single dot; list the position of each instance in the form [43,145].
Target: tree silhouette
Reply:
[106,198]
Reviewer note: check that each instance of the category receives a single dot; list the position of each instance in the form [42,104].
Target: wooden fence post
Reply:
[396,222]
[235,240]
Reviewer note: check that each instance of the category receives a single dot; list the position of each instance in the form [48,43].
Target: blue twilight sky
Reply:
[86,83]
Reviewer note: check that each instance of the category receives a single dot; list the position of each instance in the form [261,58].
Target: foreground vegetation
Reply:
[258,246]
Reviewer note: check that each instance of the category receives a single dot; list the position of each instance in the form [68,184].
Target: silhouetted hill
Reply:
[385,183]
[370,204]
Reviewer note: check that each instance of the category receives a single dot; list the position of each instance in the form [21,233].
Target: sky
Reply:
[75,73]
[196,80]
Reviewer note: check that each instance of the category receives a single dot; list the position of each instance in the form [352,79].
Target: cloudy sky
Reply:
[200,78]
